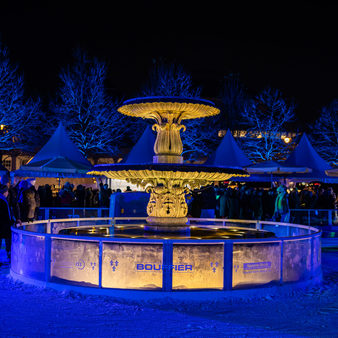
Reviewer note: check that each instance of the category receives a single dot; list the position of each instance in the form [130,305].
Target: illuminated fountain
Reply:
[167,179]
[106,256]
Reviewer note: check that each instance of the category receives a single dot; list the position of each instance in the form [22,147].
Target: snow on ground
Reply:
[30,311]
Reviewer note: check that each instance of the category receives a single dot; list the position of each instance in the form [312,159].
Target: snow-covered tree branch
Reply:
[234,97]
[265,117]
[89,114]
[168,79]
[324,133]
[18,115]
[199,139]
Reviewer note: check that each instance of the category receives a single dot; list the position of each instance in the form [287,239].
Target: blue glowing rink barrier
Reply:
[40,253]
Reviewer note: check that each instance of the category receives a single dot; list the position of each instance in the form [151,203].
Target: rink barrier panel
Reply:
[301,250]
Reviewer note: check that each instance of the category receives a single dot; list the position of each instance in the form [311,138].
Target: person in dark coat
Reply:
[242,202]
[14,204]
[269,203]
[208,201]
[80,196]
[234,204]
[29,200]
[222,203]
[196,204]
[49,195]
[246,204]
[12,199]
[66,195]
[294,200]
[257,202]
[5,219]
[89,197]
[330,198]
[104,195]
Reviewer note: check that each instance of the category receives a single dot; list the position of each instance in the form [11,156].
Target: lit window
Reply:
[7,164]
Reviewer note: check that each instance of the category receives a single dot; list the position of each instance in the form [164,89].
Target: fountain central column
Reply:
[168,145]
[167,204]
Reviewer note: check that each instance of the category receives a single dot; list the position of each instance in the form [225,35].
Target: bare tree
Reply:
[89,114]
[234,97]
[324,133]
[18,115]
[199,138]
[169,79]
[266,116]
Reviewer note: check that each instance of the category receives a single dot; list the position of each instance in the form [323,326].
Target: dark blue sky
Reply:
[292,48]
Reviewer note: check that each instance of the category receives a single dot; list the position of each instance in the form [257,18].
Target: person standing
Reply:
[79,194]
[234,203]
[196,204]
[104,195]
[29,200]
[5,219]
[66,195]
[282,210]
[208,202]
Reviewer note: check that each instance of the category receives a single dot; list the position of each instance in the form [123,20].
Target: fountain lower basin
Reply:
[87,253]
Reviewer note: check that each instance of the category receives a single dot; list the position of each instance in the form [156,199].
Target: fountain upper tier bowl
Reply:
[183,108]
[179,174]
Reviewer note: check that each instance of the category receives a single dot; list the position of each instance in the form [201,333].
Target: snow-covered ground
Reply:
[30,311]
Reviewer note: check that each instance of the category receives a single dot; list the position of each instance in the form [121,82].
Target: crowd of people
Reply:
[71,196]
[245,202]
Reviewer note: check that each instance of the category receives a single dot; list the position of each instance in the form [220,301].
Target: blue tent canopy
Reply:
[275,167]
[305,155]
[143,150]
[228,154]
[59,157]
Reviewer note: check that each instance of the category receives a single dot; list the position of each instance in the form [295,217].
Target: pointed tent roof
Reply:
[305,155]
[229,154]
[59,157]
[143,150]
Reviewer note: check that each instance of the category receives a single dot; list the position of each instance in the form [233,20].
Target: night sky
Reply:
[292,48]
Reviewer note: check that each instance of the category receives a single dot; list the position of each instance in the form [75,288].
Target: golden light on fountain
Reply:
[167,179]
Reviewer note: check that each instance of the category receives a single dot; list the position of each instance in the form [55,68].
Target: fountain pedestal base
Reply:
[167,224]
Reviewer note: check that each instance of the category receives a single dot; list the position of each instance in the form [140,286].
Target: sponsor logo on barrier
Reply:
[114,264]
[214,266]
[80,264]
[161,267]
[256,267]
